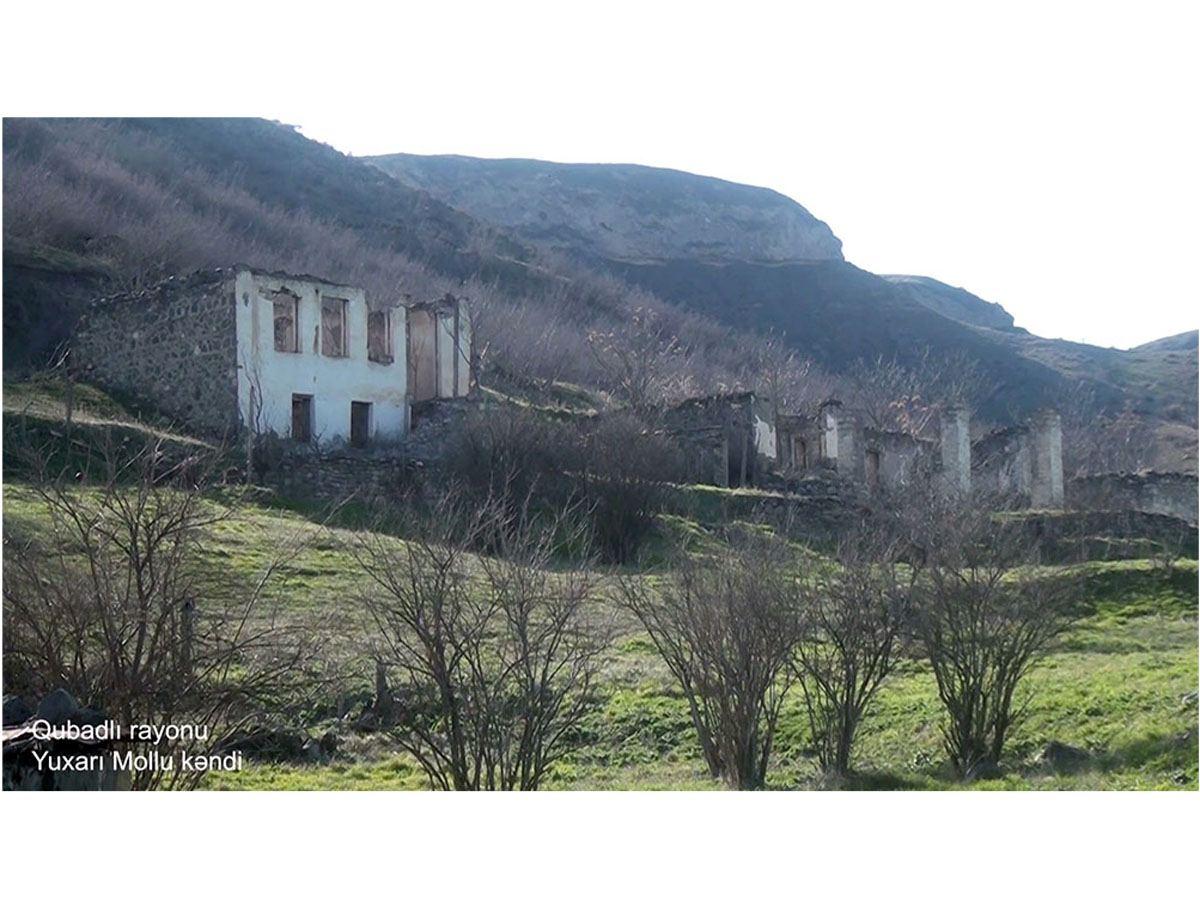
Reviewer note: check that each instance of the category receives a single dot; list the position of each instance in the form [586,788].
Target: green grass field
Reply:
[1122,685]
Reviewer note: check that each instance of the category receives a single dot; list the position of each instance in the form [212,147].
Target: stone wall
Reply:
[1001,462]
[1078,536]
[895,460]
[1165,493]
[311,476]
[735,427]
[1024,462]
[173,346]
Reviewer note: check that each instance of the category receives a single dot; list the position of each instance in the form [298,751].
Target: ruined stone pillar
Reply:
[1046,481]
[956,450]
[827,418]
[851,450]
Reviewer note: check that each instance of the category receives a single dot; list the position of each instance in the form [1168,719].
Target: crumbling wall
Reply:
[730,432]
[1165,493]
[1024,462]
[173,346]
[797,443]
[439,349]
[705,454]
[1079,536]
[1002,463]
[901,458]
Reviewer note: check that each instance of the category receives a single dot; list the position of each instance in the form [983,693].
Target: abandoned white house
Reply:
[300,357]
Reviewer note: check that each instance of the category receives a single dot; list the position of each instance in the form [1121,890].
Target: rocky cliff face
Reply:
[623,212]
[953,302]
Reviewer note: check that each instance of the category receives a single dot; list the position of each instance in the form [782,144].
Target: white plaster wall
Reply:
[764,438]
[445,354]
[333,382]
[830,449]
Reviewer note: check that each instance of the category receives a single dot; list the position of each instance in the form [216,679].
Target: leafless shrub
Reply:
[895,396]
[497,662]
[985,616]
[610,471]
[778,373]
[855,614]
[115,600]
[1097,440]
[639,360]
[621,470]
[726,627]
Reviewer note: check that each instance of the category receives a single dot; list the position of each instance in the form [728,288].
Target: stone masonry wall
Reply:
[331,478]
[1166,493]
[173,346]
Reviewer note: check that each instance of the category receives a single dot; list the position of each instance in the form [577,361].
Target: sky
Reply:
[1041,155]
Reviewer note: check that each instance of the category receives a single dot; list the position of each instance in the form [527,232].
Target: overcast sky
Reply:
[1042,156]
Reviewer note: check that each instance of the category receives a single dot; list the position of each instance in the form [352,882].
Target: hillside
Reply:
[625,212]
[953,302]
[1185,341]
[613,217]
[549,253]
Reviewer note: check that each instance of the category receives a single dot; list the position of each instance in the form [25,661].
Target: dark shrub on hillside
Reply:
[611,469]
[622,469]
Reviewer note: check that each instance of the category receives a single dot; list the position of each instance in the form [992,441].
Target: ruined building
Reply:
[228,350]
[729,438]
[834,440]
[238,351]
[1023,461]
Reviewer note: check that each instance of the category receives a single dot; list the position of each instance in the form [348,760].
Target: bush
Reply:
[612,470]
[727,626]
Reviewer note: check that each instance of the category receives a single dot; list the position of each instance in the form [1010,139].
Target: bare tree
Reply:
[115,600]
[895,396]
[855,614]
[779,373]
[1097,440]
[726,628]
[497,657]
[635,359]
[985,616]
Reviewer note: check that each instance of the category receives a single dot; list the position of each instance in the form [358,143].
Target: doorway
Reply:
[360,423]
[302,418]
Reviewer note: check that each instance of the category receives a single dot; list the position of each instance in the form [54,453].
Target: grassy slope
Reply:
[1122,685]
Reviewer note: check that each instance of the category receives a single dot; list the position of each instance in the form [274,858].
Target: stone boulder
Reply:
[1063,757]
[16,711]
[57,707]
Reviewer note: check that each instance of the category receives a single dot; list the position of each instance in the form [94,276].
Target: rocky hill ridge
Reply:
[623,212]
